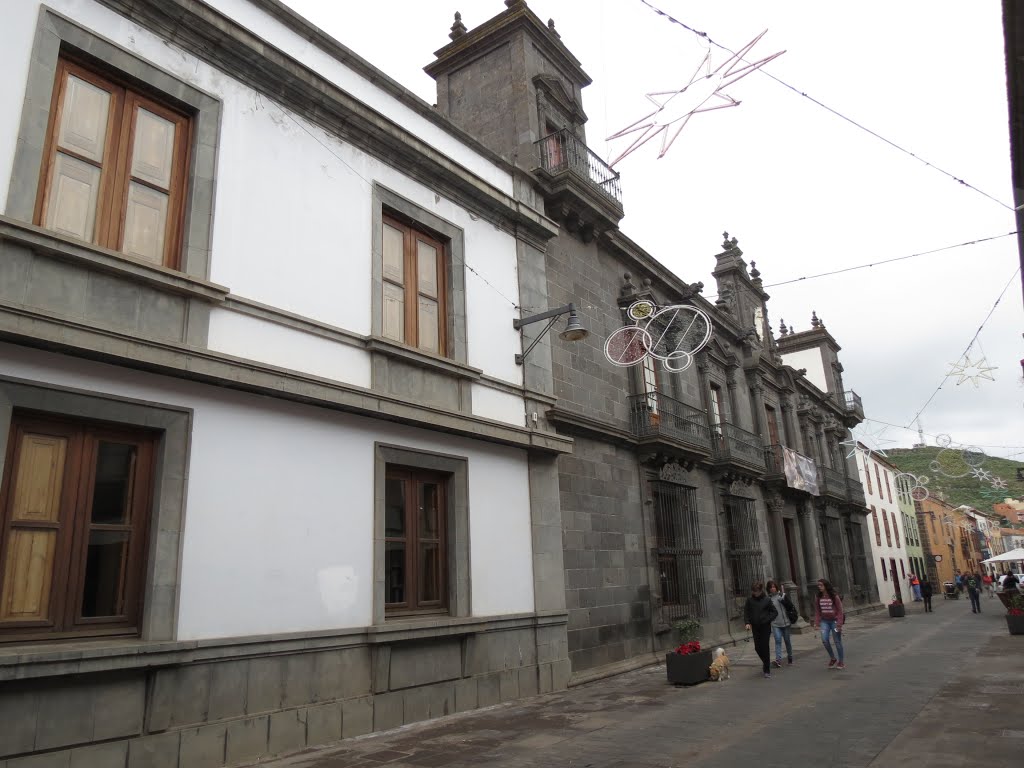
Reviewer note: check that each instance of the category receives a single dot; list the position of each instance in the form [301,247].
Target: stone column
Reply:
[813,565]
[759,417]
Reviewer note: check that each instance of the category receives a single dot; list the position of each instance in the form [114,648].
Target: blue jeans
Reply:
[780,634]
[917,591]
[827,634]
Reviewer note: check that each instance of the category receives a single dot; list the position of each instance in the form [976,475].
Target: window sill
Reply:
[422,359]
[68,249]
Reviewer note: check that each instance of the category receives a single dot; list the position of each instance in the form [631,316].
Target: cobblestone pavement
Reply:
[939,689]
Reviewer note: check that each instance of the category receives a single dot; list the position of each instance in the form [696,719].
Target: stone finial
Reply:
[783,330]
[754,273]
[458,28]
[728,244]
[815,322]
[551,28]
[628,289]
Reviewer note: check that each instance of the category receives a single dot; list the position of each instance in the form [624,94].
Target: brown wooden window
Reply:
[874,519]
[414,301]
[75,511]
[415,555]
[114,167]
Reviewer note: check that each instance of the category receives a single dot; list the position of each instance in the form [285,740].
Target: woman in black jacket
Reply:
[759,613]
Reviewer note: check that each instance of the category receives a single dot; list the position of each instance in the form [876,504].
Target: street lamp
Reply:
[574,330]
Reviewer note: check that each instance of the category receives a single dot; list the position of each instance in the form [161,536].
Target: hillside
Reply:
[961,490]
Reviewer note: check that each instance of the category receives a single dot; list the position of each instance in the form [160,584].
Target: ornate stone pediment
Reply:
[675,472]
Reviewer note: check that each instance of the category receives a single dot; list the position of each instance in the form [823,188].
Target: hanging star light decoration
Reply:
[673,109]
[982,475]
[865,441]
[971,370]
[998,483]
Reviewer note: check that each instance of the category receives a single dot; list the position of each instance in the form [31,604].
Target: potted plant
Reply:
[687,664]
[896,608]
[1015,615]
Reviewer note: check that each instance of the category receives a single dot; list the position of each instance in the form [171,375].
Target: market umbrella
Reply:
[1013,554]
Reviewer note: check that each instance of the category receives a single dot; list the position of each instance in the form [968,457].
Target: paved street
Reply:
[940,689]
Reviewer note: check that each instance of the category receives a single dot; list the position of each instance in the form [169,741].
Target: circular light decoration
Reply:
[911,485]
[672,334]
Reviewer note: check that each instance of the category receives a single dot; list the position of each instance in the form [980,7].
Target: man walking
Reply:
[974,591]
[926,595]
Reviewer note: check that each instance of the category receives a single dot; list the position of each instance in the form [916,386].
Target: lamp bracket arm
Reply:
[552,313]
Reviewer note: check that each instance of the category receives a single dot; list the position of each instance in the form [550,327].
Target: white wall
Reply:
[292,222]
[278,529]
[811,360]
[879,498]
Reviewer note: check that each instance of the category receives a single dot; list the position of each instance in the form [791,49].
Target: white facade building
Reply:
[266,445]
[886,527]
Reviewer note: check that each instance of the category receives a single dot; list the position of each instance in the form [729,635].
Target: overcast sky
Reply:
[804,191]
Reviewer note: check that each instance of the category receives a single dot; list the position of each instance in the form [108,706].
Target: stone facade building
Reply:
[675,496]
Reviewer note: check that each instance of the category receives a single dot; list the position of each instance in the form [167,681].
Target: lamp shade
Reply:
[574,331]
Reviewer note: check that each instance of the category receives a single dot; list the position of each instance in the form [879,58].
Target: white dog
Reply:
[719,669]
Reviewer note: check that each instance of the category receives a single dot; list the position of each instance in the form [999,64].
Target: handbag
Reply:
[791,612]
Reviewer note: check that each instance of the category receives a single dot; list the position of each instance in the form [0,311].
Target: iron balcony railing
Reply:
[855,491]
[853,404]
[562,152]
[832,482]
[657,414]
[734,443]
[774,462]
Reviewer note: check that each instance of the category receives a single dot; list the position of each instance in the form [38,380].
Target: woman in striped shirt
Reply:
[828,615]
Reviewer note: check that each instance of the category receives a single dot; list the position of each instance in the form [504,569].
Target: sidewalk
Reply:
[939,689]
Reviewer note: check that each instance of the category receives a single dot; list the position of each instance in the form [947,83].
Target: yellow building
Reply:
[952,538]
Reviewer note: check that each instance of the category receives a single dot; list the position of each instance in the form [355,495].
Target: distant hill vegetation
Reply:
[959,490]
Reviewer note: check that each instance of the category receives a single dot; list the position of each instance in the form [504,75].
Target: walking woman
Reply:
[828,616]
[759,613]
[787,614]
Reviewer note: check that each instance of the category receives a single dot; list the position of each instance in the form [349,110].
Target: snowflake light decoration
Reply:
[971,370]
[980,474]
[865,441]
[998,483]
[672,112]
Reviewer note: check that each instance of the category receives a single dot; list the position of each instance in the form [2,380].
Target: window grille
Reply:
[744,554]
[679,551]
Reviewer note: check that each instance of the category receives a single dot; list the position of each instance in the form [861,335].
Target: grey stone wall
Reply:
[607,582]
[243,707]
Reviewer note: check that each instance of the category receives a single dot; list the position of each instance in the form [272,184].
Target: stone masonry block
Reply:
[287,731]
[265,684]
[465,694]
[202,747]
[60,759]
[488,690]
[65,715]
[18,714]
[228,685]
[544,684]
[119,706]
[323,724]
[508,684]
[429,701]
[388,711]
[299,671]
[356,717]
[560,674]
[100,756]
[160,751]
[417,664]
[528,684]
[246,740]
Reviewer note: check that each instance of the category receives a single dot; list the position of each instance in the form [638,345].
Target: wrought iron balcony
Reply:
[853,405]
[774,462]
[856,491]
[736,445]
[831,482]
[657,415]
[574,176]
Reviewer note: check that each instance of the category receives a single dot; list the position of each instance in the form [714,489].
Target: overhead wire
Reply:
[831,110]
[968,349]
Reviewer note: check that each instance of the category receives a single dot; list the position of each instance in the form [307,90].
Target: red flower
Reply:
[687,648]
[1016,611]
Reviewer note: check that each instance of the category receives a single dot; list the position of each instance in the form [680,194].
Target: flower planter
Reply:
[897,611]
[688,670]
[1015,624]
